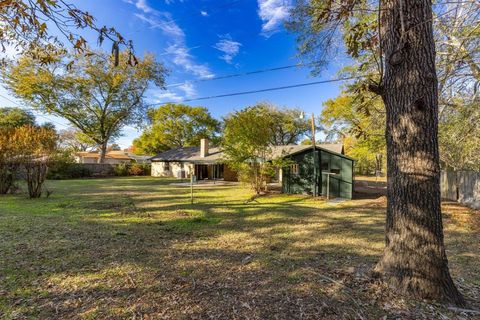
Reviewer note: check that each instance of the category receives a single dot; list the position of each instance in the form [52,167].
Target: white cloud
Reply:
[204,13]
[182,58]
[141,5]
[229,47]
[168,27]
[166,96]
[189,89]
[177,48]
[273,13]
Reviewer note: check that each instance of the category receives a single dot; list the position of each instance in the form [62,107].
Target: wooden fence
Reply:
[461,186]
[100,169]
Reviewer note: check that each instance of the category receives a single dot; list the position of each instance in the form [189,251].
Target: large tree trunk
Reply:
[414,260]
[103,152]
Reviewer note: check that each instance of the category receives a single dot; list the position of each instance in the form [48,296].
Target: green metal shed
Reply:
[312,171]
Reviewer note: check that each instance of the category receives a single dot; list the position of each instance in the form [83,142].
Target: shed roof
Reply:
[215,155]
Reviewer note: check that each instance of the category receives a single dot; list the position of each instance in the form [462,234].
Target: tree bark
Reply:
[103,152]
[414,260]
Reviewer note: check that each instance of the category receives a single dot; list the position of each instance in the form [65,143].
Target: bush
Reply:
[135,170]
[64,167]
[146,168]
[59,171]
[121,170]
[132,169]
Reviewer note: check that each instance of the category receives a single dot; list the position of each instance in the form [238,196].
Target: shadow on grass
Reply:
[81,255]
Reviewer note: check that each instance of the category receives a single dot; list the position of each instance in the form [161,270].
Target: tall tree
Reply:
[176,126]
[93,94]
[414,259]
[247,145]
[286,124]
[15,117]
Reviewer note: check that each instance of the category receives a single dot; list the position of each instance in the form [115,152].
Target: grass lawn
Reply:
[136,248]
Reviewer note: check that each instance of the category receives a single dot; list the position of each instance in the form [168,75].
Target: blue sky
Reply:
[201,39]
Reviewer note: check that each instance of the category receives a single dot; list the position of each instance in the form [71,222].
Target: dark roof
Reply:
[192,154]
[282,151]
[189,154]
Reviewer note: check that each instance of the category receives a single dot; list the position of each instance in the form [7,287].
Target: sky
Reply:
[198,40]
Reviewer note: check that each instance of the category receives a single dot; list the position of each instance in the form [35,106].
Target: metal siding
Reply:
[340,184]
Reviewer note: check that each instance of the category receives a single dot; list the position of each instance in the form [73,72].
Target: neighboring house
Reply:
[112,157]
[207,163]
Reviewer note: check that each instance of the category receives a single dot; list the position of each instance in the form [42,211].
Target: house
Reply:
[310,172]
[112,157]
[204,162]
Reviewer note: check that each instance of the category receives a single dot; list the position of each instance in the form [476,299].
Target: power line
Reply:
[259,90]
[234,75]
[270,69]
[31,109]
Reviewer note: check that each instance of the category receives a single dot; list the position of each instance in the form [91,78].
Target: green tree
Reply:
[459,136]
[114,147]
[95,96]
[286,124]
[175,126]
[360,126]
[15,117]
[404,50]
[247,144]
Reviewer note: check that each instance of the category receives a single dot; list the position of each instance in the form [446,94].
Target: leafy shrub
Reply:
[135,170]
[63,166]
[61,170]
[146,168]
[121,170]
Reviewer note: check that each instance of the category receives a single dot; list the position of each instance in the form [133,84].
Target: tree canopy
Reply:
[95,96]
[247,144]
[361,129]
[286,124]
[176,125]
[15,117]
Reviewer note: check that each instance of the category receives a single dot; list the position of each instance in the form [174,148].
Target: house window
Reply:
[295,169]
[182,165]
[166,166]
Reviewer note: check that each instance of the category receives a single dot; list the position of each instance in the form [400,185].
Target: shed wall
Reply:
[340,181]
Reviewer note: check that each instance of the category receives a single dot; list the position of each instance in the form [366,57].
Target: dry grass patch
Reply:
[136,248]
